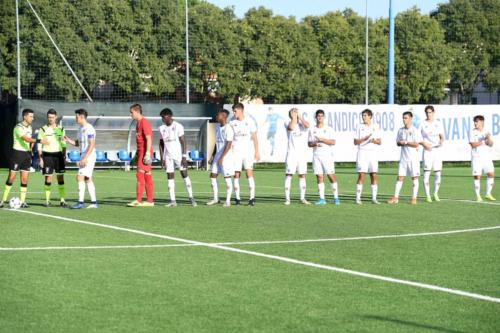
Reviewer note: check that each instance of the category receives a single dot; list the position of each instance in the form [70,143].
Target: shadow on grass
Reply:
[411,324]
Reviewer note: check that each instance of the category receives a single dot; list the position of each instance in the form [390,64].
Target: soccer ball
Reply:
[15,203]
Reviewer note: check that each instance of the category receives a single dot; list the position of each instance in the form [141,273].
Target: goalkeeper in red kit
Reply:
[144,139]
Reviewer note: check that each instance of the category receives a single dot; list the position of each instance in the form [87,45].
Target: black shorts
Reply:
[20,160]
[53,162]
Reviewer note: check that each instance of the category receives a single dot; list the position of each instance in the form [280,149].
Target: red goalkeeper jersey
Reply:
[142,129]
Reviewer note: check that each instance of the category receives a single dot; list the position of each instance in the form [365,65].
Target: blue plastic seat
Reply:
[101,156]
[124,156]
[74,156]
[197,157]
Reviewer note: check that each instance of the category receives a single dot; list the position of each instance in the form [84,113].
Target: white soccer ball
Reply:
[15,203]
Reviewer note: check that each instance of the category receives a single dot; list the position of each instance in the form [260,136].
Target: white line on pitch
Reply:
[292,241]
[279,258]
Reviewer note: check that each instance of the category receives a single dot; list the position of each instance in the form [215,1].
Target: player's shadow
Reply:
[411,324]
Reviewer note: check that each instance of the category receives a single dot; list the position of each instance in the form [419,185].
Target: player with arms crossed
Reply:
[173,154]
[322,138]
[52,156]
[409,139]
[20,159]
[481,142]
[86,141]
[296,155]
[144,142]
[245,151]
[432,132]
[367,139]
[222,158]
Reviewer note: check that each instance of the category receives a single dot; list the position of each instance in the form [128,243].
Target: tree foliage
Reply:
[136,49]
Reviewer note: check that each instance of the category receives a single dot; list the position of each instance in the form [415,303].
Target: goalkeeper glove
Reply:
[147,159]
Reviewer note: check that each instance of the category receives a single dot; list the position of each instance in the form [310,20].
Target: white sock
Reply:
[427,178]
[335,190]
[171,189]
[489,185]
[437,181]
[321,190]
[415,188]
[251,187]
[374,192]
[302,185]
[229,189]
[399,184]
[91,189]
[237,188]
[81,191]
[189,189]
[359,189]
[215,189]
[288,184]
[477,187]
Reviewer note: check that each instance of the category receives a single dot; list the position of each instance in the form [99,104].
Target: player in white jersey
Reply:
[222,158]
[245,151]
[367,139]
[432,132]
[173,154]
[481,142]
[86,141]
[322,139]
[409,139]
[296,155]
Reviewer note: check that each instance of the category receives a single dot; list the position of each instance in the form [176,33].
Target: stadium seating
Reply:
[101,156]
[124,156]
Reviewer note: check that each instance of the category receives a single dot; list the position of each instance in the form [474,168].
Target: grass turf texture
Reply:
[197,288]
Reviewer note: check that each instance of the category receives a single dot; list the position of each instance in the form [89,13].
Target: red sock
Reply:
[149,186]
[140,185]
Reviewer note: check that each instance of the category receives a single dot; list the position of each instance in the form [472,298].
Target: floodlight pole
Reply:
[187,52]
[366,52]
[19,96]
[390,69]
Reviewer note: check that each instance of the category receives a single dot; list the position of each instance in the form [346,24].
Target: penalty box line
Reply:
[271,242]
[280,258]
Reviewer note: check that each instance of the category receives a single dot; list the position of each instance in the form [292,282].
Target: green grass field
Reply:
[118,269]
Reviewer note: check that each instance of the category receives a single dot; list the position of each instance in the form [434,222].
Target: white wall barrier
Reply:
[456,120]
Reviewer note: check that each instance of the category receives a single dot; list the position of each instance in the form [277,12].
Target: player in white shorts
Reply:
[296,155]
[86,141]
[322,139]
[173,154]
[409,139]
[481,142]
[245,151]
[367,139]
[222,158]
[432,132]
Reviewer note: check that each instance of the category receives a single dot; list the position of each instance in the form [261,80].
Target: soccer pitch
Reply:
[268,268]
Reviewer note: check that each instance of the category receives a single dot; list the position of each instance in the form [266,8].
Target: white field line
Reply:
[271,242]
[279,258]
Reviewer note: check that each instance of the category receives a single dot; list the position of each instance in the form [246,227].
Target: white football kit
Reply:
[430,132]
[223,135]
[367,159]
[409,162]
[172,153]
[243,148]
[481,161]
[323,161]
[296,155]
[86,133]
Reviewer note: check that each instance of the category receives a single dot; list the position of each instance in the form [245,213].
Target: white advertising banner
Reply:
[456,120]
